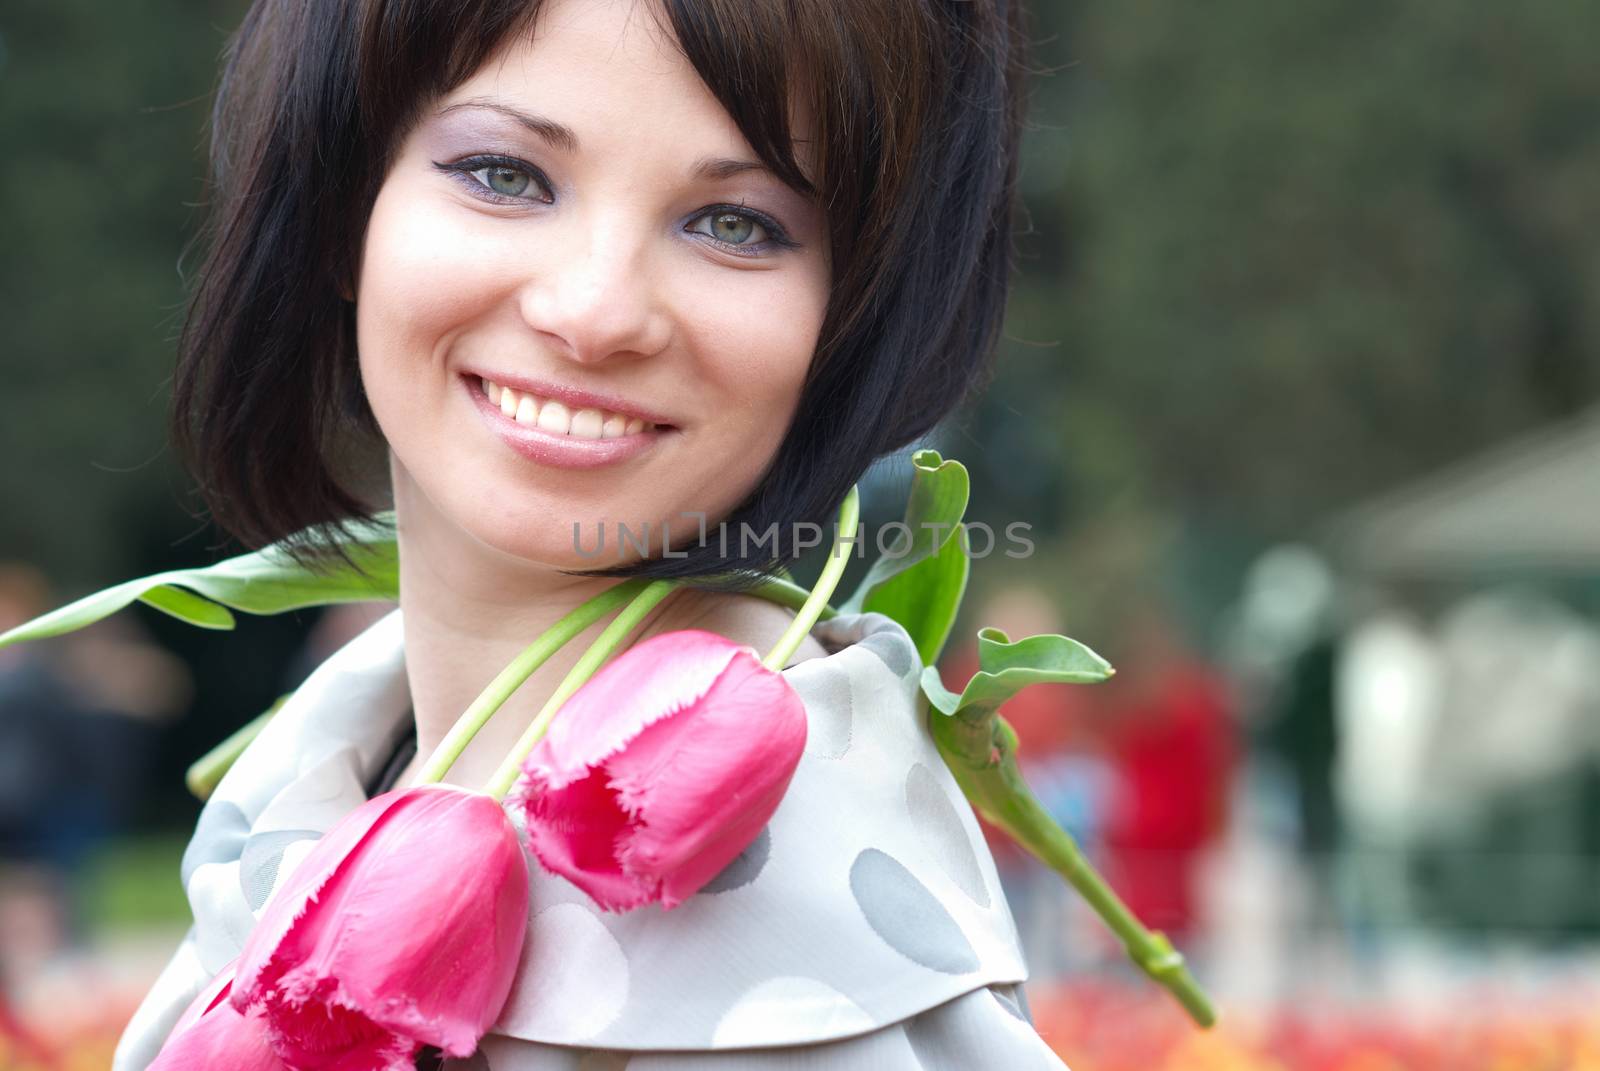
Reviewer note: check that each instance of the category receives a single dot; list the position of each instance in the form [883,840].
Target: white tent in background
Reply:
[1531,504]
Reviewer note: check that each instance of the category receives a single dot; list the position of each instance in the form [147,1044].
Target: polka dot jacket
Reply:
[864,927]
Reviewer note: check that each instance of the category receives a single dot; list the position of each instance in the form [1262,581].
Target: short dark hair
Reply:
[917,109]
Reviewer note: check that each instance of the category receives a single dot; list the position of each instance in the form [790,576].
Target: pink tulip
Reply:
[661,769]
[400,929]
[213,1034]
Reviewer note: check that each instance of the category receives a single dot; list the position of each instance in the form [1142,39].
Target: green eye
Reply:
[506,181]
[732,228]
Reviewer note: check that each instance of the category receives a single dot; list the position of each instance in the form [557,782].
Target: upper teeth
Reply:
[550,415]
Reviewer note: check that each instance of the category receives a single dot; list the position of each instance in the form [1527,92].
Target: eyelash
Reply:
[464,171]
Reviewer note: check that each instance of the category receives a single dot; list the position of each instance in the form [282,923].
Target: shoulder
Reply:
[747,619]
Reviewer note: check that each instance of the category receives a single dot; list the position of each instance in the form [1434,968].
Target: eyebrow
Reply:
[563,137]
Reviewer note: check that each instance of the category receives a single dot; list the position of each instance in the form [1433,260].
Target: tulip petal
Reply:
[662,769]
[410,937]
[702,784]
[302,888]
[645,684]
[573,831]
[212,1034]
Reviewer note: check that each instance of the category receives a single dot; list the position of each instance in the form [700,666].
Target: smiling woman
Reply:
[519,268]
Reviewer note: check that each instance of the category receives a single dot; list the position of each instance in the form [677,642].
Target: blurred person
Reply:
[1509,760]
[32,696]
[1387,697]
[1170,725]
[1287,602]
[75,738]
[1281,651]
[1275,873]
[39,833]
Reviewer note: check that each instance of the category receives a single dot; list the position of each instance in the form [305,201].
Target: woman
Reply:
[575,265]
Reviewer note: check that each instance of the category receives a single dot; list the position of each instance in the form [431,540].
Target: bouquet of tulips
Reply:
[664,764]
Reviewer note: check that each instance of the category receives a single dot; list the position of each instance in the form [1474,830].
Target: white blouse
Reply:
[864,928]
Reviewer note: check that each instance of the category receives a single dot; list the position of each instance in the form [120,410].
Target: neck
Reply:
[469,609]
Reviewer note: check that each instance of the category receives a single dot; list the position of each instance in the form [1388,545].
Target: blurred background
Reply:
[1298,394]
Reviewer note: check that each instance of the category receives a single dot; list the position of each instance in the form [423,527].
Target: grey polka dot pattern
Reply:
[939,828]
[895,650]
[258,863]
[908,917]
[746,866]
[218,838]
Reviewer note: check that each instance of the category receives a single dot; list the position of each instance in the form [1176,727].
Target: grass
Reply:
[132,884]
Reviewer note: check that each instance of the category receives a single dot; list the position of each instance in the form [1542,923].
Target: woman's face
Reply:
[582,300]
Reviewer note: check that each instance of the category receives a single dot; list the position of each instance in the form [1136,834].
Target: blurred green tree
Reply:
[1279,258]
[1284,256]
[102,115]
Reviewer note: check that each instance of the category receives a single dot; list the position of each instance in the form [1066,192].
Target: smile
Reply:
[552,416]
[562,434]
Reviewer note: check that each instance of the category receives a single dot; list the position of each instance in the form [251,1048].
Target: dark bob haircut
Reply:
[916,106]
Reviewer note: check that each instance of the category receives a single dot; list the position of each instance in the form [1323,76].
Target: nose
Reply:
[592,293]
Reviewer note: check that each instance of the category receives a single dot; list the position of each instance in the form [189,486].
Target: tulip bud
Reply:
[661,769]
[400,929]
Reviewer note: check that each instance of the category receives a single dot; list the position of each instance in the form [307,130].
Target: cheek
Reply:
[421,280]
[754,340]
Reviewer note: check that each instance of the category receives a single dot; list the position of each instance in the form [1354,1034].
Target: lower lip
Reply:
[559,451]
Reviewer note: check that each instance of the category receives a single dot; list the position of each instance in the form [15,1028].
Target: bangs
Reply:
[749,53]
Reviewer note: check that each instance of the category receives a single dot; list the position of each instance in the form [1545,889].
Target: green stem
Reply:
[1054,846]
[204,776]
[844,532]
[774,589]
[521,668]
[609,640]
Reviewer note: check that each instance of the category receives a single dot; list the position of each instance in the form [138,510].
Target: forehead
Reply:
[614,69]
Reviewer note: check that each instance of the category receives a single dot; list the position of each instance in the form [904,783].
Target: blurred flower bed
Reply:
[80,1037]
[1100,1027]
[1097,1026]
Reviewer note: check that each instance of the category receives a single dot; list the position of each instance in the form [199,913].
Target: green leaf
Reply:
[922,587]
[1005,668]
[268,581]
[925,598]
[980,747]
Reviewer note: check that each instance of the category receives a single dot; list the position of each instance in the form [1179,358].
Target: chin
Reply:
[567,539]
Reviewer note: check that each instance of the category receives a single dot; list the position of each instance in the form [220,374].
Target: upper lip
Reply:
[572,397]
